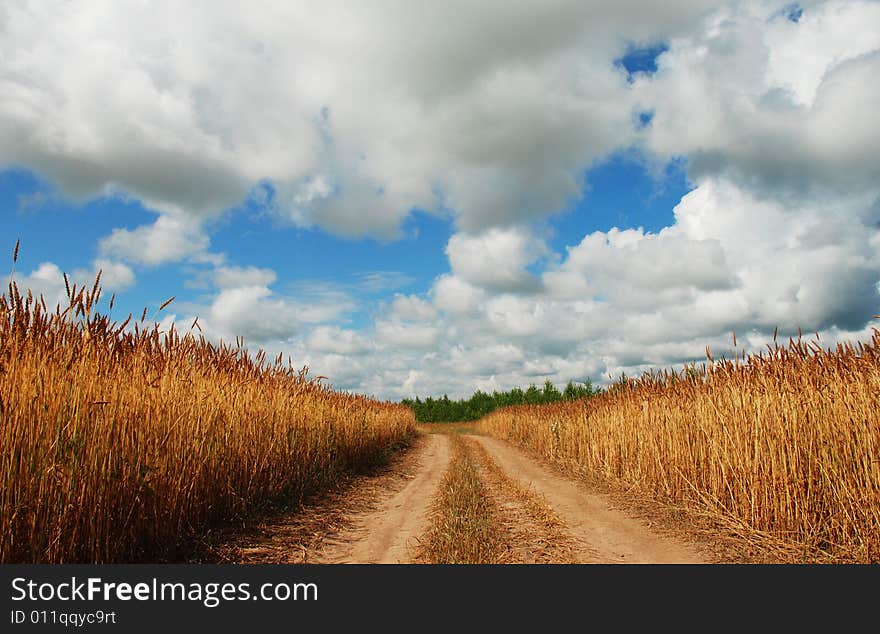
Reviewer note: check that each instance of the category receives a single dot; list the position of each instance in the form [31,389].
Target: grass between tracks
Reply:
[464,527]
[547,536]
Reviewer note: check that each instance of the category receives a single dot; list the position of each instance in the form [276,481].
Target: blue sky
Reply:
[411,207]
[619,192]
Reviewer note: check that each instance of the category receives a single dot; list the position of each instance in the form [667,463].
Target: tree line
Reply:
[446,410]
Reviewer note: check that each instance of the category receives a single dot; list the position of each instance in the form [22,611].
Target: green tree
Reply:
[444,409]
[550,394]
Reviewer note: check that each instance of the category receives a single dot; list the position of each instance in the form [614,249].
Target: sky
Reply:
[428,198]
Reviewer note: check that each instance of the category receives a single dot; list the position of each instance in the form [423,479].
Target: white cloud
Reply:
[410,307]
[115,276]
[486,361]
[785,108]
[234,276]
[627,300]
[332,339]
[812,265]
[349,115]
[253,313]
[800,54]
[782,228]
[632,268]
[496,259]
[169,239]
[356,113]
[47,280]
[245,306]
[454,295]
[406,335]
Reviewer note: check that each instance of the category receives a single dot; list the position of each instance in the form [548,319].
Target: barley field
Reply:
[121,443]
[781,447]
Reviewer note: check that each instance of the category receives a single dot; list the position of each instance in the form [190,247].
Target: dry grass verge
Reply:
[305,534]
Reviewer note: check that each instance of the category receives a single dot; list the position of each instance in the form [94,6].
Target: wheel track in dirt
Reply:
[544,517]
[606,534]
[388,534]
[374,518]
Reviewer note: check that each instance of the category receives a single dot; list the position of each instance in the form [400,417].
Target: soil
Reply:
[605,533]
[380,517]
[375,518]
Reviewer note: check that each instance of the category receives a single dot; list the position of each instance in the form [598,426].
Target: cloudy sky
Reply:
[427,198]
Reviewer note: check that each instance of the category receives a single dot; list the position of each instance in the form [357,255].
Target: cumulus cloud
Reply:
[630,300]
[781,229]
[406,335]
[253,313]
[115,276]
[454,295]
[635,269]
[347,116]
[409,307]
[47,280]
[496,259]
[354,113]
[332,339]
[234,276]
[169,239]
[787,108]
[245,306]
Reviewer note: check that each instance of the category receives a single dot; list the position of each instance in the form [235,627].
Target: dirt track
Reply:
[388,533]
[380,518]
[606,535]
[376,518]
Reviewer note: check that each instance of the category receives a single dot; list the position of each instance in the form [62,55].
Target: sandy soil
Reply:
[389,532]
[379,518]
[531,532]
[606,535]
[374,517]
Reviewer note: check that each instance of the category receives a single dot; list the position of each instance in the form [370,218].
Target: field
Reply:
[781,448]
[124,444]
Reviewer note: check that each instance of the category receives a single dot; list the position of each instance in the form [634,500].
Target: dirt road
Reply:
[542,517]
[376,518]
[388,533]
[602,533]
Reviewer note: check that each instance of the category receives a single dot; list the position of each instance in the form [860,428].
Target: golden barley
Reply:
[782,445]
[124,443]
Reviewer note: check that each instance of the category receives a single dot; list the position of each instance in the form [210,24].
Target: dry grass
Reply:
[781,447]
[121,443]
[464,527]
[542,536]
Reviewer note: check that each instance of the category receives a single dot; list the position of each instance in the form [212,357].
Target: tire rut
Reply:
[374,519]
[533,533]
[389,533]
[611,536]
